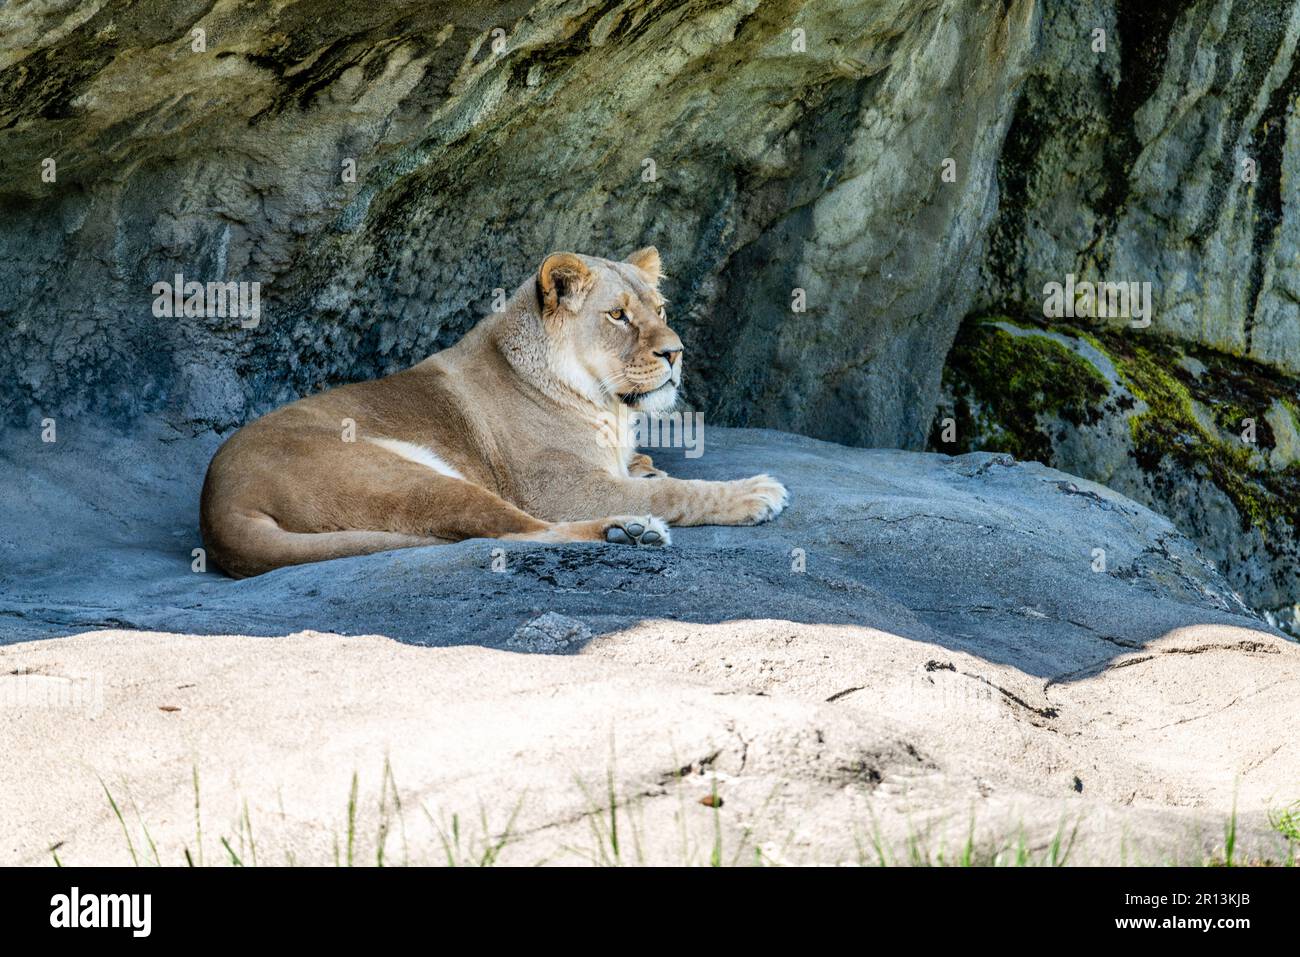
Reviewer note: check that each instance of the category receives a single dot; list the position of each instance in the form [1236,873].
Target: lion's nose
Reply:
[671,354]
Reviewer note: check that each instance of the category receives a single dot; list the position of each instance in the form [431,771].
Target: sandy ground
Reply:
[752,741]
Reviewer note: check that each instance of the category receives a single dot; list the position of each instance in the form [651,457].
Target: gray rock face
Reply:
[1206,439]
[474,159]
[1170,158]
[766,148]
[977,553]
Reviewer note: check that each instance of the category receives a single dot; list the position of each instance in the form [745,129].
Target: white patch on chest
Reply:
[419,454]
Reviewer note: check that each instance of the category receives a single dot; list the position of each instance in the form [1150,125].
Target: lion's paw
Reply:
[759,499]
[637,530]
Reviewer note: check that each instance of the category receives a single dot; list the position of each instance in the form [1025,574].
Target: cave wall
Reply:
[779,165]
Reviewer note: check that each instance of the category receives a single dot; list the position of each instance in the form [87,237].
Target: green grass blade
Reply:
[130,845]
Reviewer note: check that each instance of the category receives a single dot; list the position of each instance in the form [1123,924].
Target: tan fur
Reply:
[524,409]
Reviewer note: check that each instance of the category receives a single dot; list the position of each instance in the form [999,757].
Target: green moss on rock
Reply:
[1001,382]
[1008,390]
[1234,390]
[1169,427]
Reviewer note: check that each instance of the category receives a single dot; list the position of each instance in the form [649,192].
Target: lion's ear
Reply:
[647,260]
[564,280]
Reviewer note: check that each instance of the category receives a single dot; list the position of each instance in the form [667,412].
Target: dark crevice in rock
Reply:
[1016,167]
[1260,39]
[1144,31]
[46,82]
[1269,136]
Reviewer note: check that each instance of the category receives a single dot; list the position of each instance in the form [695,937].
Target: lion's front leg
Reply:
[568,494]
[748,501]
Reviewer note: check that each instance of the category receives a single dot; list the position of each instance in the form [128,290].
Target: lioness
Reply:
[512,433]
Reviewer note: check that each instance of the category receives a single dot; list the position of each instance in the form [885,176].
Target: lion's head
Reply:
[608,330]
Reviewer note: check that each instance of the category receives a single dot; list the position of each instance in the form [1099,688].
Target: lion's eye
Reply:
[616,315]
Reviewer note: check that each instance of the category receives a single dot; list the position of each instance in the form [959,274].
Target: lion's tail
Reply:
[249,544]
